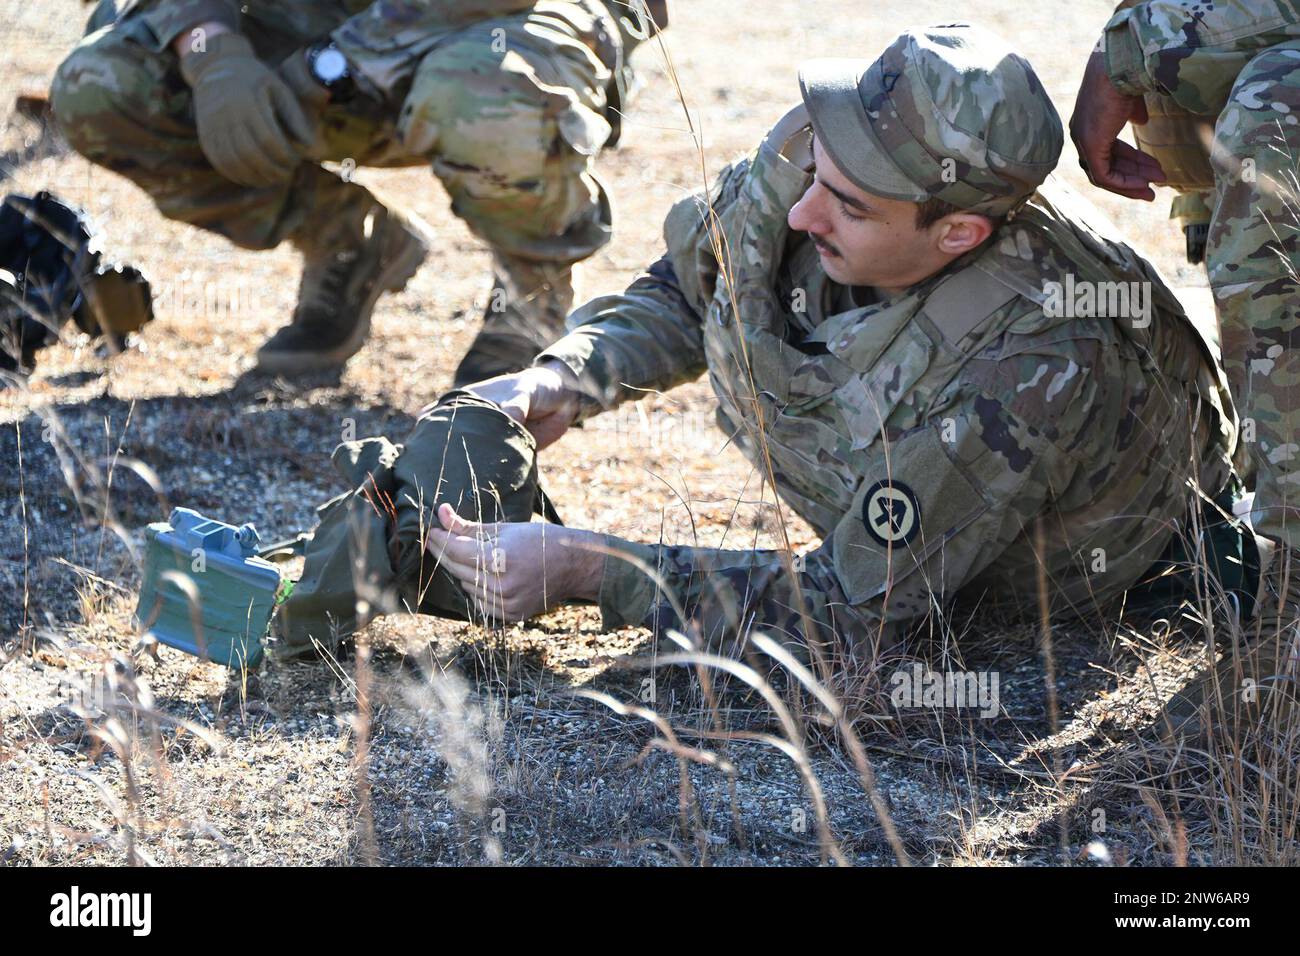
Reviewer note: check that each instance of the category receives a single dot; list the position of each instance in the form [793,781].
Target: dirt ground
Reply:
[477,746]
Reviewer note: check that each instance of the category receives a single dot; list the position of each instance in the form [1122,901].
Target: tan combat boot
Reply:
[344,274]
[525,313]
[1256,681]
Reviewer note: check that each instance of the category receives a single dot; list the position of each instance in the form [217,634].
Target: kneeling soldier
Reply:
[222,112]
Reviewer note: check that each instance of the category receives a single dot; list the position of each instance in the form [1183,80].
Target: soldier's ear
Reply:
[960,232]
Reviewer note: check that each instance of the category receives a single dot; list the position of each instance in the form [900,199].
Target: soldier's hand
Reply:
[251,125]
[1100,113]
[537,398]
[514,570]
[312,96]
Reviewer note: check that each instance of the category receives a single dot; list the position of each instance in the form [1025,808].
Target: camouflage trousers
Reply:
[506,114]
[1253,257]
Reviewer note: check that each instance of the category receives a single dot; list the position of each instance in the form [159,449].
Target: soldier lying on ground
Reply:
[891,329]
[878,296]
[223,111]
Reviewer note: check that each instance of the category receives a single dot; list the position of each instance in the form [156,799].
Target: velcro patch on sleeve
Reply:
[910,503]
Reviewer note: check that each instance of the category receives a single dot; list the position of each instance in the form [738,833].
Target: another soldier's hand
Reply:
[1100,114]
[251,126]
[515,570]
[537,398]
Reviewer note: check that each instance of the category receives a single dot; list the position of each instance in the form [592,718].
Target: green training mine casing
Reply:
[205,589]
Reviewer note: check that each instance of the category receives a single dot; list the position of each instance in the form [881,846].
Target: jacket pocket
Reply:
[909,506]
[868,400]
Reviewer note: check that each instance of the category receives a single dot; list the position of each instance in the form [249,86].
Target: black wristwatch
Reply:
[331,69]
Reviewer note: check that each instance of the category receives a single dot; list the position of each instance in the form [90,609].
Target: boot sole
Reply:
[393,278]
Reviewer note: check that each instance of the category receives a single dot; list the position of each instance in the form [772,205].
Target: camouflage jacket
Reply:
[921,436]
[1193,51]
[386,39]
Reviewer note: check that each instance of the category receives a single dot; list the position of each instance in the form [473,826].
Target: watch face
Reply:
[330,66]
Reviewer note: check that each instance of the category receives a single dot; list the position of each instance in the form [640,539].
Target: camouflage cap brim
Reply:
[839,119]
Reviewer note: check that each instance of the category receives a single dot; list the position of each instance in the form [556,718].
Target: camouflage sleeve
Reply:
[386,41]
[932,510]
[168,19]
[649,337]
[725,593]
[1193,51]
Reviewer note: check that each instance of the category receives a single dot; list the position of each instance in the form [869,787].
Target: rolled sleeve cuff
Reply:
[171,20]
[1125,64]
[576,352]
[627,592]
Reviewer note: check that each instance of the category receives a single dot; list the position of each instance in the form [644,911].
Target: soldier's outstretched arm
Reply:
[1193,52]
[647,338]
[934,509]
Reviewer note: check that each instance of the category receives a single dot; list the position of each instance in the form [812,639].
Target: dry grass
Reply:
[551,743]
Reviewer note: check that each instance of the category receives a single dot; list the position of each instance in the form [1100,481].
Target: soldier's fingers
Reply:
[476,570]
[498,607]
[1116,186]
[490,602]
[223,152]
[275,155]
[292,116]
[448,547]
[1095,159]
[464,557]
[454,522]
[1134,162]
[217,148]
[463,541]
[1120,177]
[246,165]
[489,589]
[1130,186]
[485,536]
[1134,175]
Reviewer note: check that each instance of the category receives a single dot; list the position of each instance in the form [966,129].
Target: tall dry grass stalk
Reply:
[466,733]
[792,741]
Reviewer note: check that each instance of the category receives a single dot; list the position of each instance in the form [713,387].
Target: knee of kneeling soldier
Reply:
[89,99]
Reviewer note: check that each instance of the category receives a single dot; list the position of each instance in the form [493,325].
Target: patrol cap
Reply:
[947,112]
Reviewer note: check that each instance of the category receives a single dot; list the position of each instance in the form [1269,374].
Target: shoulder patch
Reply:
[893,527]
[891,513]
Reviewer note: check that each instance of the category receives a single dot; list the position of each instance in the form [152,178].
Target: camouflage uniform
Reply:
[922,436]
[509,101]
[1237,63]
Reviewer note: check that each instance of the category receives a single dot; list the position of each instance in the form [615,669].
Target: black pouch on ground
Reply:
[51,274]
[367,556]
[1224,561]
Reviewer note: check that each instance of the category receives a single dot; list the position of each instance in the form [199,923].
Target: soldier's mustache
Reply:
[826,248]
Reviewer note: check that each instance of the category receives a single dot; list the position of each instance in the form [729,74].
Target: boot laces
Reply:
[325,283]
